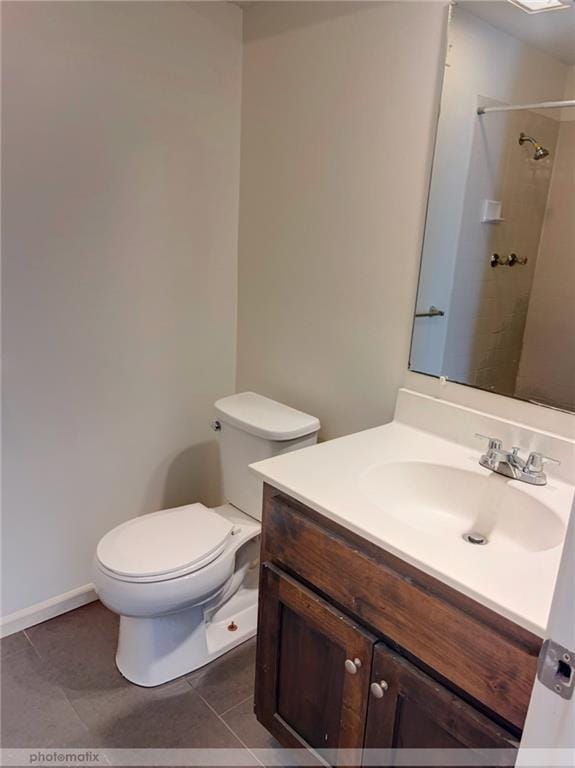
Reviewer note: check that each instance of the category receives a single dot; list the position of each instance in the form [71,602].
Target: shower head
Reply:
[540,152]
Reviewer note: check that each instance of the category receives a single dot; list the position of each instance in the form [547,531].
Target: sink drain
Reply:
[475,538]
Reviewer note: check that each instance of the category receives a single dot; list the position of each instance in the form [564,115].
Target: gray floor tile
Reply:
[171,715]
[244,724]
[267,749]
[80,647]
[13,644]
[229,680]
[68,692]
[35,711]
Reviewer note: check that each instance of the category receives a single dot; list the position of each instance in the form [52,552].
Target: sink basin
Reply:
[414,488]
[450,502]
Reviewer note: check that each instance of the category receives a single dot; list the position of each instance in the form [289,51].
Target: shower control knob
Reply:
[378,689]
[352,666]
[515,259]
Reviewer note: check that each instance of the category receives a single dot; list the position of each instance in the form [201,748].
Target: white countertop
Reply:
[516,583]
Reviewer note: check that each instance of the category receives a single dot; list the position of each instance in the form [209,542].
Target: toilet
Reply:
[185,580]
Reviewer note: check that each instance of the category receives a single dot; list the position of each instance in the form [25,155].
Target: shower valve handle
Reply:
[515,259]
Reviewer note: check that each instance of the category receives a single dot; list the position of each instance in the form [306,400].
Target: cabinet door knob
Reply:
[352,666]
[378,689]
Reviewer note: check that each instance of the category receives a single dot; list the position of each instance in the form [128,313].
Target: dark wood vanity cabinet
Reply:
[357,649]
[306,696]
[417,712]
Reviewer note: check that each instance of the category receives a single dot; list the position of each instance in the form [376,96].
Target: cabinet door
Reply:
[409,710]
[313,667]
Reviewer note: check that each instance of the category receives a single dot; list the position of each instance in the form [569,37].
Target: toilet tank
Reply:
[253,428]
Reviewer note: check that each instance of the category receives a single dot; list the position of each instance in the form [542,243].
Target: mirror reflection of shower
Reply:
[540,152]
[504,199]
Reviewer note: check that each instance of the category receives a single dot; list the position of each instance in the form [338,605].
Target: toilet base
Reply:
[152,651]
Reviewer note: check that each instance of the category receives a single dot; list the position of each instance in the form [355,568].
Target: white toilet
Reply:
[184,580]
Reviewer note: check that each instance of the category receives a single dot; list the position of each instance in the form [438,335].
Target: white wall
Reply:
[121,126]
[339,111]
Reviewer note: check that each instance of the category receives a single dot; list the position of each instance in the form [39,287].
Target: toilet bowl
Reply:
[184,580]
[168,599]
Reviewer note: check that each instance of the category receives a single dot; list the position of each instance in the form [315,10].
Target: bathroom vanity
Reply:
[379,632]
[357,648]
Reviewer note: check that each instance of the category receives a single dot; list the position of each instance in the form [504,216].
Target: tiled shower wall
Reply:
[547,367]
[489,305]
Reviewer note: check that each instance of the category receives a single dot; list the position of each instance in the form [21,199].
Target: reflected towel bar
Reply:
[540,105]
[431,312]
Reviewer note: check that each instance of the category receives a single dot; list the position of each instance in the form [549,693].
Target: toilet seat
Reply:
[164,545]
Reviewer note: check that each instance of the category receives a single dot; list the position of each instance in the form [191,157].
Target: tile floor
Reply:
[60,688]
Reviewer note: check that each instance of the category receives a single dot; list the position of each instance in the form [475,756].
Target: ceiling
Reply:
[551,31]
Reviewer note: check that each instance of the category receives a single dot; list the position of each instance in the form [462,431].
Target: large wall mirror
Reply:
[496,299]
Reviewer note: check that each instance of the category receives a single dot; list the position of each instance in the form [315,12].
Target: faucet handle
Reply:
[536,460]
[493,443]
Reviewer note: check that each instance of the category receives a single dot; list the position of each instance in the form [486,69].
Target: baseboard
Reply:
[39,612]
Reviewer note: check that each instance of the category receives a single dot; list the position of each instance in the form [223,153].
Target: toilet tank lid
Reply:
[265,418]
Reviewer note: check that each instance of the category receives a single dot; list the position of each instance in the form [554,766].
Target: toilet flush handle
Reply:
[215,425]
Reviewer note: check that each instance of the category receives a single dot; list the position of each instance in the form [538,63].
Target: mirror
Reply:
[496,298]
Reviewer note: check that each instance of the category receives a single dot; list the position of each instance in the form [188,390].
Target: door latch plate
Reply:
[556,669]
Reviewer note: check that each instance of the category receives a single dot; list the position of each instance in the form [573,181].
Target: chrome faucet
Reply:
[510,464]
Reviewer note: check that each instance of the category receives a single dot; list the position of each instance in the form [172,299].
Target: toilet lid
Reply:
[181,539]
